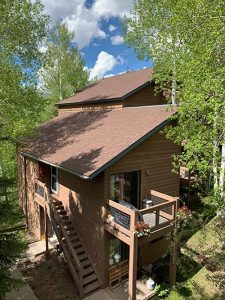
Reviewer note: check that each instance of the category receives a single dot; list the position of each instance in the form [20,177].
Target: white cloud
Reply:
[112,75]
[105,63]
[112,28]
[117,39]
[86,21]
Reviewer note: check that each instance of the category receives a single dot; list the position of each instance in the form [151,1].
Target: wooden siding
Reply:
[154,159]
[151,252]
[89,106]
[145,96]
[33,209]
[84,200]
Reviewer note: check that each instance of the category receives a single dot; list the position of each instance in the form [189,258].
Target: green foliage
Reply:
[162,290]
[64,72]
[185,39]
[12,243]
[22,29]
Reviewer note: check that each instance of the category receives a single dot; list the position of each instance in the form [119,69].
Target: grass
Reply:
[197,286]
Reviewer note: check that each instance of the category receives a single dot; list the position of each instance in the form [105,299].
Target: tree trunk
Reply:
[215,169]
[222,172]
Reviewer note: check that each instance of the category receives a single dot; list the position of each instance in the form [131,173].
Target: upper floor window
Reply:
[54,179]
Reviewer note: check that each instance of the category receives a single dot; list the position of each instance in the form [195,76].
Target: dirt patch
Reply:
[49,277]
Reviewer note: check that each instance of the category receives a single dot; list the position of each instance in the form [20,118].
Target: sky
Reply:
[98,33]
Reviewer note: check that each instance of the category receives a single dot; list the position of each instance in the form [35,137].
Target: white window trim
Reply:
[57,183]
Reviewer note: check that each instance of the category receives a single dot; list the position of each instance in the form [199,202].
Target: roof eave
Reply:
[54,165]
[107,100]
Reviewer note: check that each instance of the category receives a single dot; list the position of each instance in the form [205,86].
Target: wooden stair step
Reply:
[66,222]
[82,256]
[90,278]
[74,239]
[62,212]
[77,244]
[85,263]
[79,250]
[64,217]
[72,230]
[91,287]
[88,271]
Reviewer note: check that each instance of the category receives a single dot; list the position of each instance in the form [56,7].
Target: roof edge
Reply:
[113,160]
[107,100]
[56,166]
[131,147]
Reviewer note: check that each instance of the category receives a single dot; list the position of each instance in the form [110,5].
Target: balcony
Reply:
[40,192]
[121,218]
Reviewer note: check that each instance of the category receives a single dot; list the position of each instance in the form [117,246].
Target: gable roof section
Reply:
[112,88]
[86,143]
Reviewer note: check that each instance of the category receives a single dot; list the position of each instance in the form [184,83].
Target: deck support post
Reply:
[173,261]
[46,230]
[133,259]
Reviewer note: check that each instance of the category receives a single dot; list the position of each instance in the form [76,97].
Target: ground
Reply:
[197,287]
[49,277]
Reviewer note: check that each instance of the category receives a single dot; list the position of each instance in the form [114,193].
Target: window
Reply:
[118,251]
[125,186]
[54,180]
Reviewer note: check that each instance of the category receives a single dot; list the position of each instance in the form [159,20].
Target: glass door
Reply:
[118,251]
[125,186]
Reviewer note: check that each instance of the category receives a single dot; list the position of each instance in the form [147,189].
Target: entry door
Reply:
[42,223]
[125,186]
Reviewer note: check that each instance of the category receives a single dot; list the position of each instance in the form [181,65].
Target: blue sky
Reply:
[97,24]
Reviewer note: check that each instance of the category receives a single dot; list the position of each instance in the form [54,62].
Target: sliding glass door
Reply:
[125,186]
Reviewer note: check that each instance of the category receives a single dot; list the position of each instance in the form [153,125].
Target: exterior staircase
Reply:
[76,256]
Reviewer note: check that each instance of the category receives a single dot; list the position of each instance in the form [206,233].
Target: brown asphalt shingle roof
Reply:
[112,88]
[87,142]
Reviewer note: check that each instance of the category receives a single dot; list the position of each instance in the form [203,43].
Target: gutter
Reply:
[56,166]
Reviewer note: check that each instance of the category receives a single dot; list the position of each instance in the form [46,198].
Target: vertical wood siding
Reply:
[145,96]
[154,159]
[84,200]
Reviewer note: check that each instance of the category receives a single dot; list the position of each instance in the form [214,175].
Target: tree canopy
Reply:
[64,73]
[185,39]
[23,27]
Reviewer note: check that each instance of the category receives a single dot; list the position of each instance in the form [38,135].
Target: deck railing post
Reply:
[173,256]
[133,258]
[46,219]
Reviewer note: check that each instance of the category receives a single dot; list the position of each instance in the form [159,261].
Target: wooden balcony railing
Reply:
[121,220]
[40,192]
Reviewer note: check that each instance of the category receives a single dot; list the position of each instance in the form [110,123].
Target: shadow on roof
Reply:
[62,131]
[84,162]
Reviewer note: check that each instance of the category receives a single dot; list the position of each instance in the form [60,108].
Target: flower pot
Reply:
[150,284]
[117,257]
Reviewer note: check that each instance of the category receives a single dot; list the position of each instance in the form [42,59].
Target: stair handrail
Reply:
[52,210]
[89,257]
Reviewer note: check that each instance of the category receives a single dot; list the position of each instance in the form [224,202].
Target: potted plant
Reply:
[142,229]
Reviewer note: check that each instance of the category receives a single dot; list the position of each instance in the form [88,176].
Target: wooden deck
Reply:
[120,220]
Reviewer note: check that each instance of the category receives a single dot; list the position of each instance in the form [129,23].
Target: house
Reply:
[86,176]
